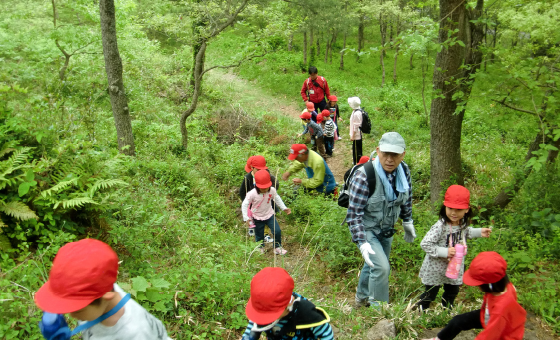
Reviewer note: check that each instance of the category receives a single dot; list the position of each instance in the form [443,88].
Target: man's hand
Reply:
[296,180]
[366,250]
[288,211]
[409,232]
[286,175]
[486,232]
[450,252]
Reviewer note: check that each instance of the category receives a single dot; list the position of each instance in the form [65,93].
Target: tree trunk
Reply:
[290,42]
[327,47]
[319,45]
[331,45]
[361,27]
[424,66]
[198,69]
[383,31]
[342,52]
[305,48]
[382,67]
[396,51]
[410,61]
[113,67]
[445,122]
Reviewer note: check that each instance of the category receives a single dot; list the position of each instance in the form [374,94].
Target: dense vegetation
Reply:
[171,212]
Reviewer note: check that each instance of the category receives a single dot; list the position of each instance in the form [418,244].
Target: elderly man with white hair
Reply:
[355,128]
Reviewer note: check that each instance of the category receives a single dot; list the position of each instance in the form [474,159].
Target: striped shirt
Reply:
[358,193]
[314,129]
[329,128]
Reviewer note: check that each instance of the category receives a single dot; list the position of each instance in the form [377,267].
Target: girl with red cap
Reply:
[332,106]
[439,244]
[500,316]
[259,199]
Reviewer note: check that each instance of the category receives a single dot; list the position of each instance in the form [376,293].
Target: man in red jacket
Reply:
[315,89]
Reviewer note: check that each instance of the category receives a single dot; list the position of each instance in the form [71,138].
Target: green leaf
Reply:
[160,283]
[160,306]
[24,187]
[18,210]
[140,284]
[29,176]
[461,43]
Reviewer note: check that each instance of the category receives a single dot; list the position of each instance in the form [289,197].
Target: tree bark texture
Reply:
[410,61]
[114,69]
[361,28]
[305,47]
[198,69]
[445,122]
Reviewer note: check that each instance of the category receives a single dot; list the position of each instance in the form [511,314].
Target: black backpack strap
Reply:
[370,173]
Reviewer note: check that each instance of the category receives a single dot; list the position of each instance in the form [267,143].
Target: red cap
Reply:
[487,267]
[310,106]
[271,293]
[363,159]
[248,165]
[305,115]
[326,113]
[262,179]
[295,150]
[319,118]
[258,162]
[333,98]
[457,197]
[81,272]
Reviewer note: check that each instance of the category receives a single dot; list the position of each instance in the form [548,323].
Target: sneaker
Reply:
[339,138]
[280,251]
[251,232]
[268,239]
[360,302]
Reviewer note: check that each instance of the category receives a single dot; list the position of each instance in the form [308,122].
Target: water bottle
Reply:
[454,266]
[51,324]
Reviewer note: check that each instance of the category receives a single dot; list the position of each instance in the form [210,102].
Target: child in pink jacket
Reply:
[262,212]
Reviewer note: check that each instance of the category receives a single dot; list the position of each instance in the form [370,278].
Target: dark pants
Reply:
[356,150]
[274,227]
[320,105]
[449,294]
[329,144]
[320,143]
[461,322]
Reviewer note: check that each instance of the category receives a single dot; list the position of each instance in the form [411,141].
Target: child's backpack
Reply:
[366,122]
[344,198]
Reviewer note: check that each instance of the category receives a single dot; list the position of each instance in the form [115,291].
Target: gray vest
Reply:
[379,213]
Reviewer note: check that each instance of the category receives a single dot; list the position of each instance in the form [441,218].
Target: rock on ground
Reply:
[384,329]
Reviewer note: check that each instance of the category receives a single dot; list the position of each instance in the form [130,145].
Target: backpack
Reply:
[343,197]
[366,122]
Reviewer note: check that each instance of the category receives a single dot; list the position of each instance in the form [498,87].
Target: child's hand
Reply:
[299,135]
[297,180]
[288,211]
[286,175]
[248,223]
[486,232]
[450,252]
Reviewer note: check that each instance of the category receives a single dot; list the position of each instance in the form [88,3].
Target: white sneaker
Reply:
[280,251]
[252,232]
[268,239]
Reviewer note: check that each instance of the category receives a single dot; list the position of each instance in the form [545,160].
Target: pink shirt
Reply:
[355,124]
[260,204]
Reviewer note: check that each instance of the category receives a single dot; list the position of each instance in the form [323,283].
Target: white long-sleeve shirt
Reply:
[355,124]
[260,204]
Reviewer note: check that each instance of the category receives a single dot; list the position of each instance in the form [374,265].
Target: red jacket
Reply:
[318,91]
[507,317]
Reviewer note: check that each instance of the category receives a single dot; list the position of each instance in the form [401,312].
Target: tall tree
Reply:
[114,69]
[460,34]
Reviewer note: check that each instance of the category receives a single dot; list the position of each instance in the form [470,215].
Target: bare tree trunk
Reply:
[114,68]
[445,122]
[327,47]
[342,52]
[424,66]
[319,45]
[305,47]
[494,42]
[198,69]
[361,27]
[410,61]
[333,41]
[382,68]
[290,42]
[396,50]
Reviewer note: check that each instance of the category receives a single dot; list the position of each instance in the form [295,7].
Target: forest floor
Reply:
[299,258]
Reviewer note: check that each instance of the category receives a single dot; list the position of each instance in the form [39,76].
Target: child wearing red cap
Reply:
[263,214]
[328,129]
[439,244]
[82,283]
[276,310]
[310,107]
[315,131]
[500,316]
[332,107]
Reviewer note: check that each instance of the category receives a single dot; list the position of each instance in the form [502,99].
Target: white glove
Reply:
[409,232]
[366,251]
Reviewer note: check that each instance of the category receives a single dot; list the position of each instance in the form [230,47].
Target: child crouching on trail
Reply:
[279,312]
[315,131]
[500,316]
[82,283]
[262,212]
[440,244]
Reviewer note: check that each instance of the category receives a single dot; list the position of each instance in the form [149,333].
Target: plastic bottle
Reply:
[456,263]
[52,323]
